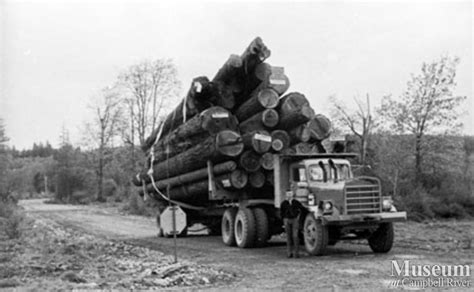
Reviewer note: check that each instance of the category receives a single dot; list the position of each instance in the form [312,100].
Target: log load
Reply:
[208,123]
[260,141]
[215,148]
[319,128]
[266,119]
[280,140]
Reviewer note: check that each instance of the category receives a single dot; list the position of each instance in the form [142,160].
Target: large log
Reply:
[292,119]
[265,76]
[256,179]
[228,72]
[260,121]
[259,100]
[215,148]
[319,128]
[299,134]
[254,54]
[198,192]
[194,103]
[303,148]
[250,161]
[280,140]
[266,161]
[260,141]
[200,174]
[209,122]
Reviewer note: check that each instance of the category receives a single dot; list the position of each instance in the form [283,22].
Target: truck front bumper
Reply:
[343,220]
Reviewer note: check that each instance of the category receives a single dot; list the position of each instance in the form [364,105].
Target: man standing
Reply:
[291,210]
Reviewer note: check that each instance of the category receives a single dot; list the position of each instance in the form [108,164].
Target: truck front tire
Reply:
[315,235]
[228,225]
[381,241]
[263,232]
[245,228]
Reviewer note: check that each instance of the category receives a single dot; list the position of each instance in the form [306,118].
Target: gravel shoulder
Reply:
[347,265]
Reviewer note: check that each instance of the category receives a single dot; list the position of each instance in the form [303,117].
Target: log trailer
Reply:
[338,206]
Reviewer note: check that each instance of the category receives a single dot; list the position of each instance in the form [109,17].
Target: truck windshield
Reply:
[316,172]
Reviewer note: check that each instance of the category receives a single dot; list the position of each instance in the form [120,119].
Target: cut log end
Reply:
[250,161]
[268,98]
[319,127]
[229,143]
[266,161]
[239,178]
[257,179]
[270,118]
[277,145]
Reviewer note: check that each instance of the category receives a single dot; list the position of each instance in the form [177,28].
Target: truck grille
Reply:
[362,199]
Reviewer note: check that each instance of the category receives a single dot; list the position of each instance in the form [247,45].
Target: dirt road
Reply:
[346,265]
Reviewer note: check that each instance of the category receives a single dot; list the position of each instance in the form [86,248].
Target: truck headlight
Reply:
[387,203]
[311,199]
[327,206]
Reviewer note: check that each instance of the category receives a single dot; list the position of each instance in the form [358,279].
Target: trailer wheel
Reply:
[262,230]
[245,228]
[158,224]
[381,240]
[227,226]
[315,235]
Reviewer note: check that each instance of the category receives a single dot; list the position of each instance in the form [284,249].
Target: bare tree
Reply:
[151,87]
[359,121]
[427,106]
[104,128]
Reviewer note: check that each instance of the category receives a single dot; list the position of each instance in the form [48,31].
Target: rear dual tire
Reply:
[245,227]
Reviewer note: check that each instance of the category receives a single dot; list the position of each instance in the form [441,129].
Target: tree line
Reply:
[411,142]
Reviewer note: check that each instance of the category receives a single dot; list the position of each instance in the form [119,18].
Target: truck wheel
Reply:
[245,228]
[315,235]
[381,240]
[261,221]
[158,224]
[227,226]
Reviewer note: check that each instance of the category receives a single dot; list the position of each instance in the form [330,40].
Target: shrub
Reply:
[10,219]
[109,188]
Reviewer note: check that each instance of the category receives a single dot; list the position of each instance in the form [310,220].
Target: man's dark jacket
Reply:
[290,210]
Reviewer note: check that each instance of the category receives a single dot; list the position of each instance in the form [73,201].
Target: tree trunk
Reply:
[250,161]
[299,134]
[194,103]
[259,141]
[228,72]
[257,179]
[280,140]
[198,192]
[290,120]
[319,127]
[303,148]
[260,121]
[258,101]
[266,161]
[197,175]
[209,122]
[216,148]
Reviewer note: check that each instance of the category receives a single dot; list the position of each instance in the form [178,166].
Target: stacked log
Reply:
[237,121]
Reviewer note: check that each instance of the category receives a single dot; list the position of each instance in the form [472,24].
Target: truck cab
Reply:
[339,206]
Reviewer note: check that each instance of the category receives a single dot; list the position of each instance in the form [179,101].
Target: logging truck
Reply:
[338,206]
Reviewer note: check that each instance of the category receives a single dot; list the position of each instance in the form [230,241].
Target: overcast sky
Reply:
[55,56]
